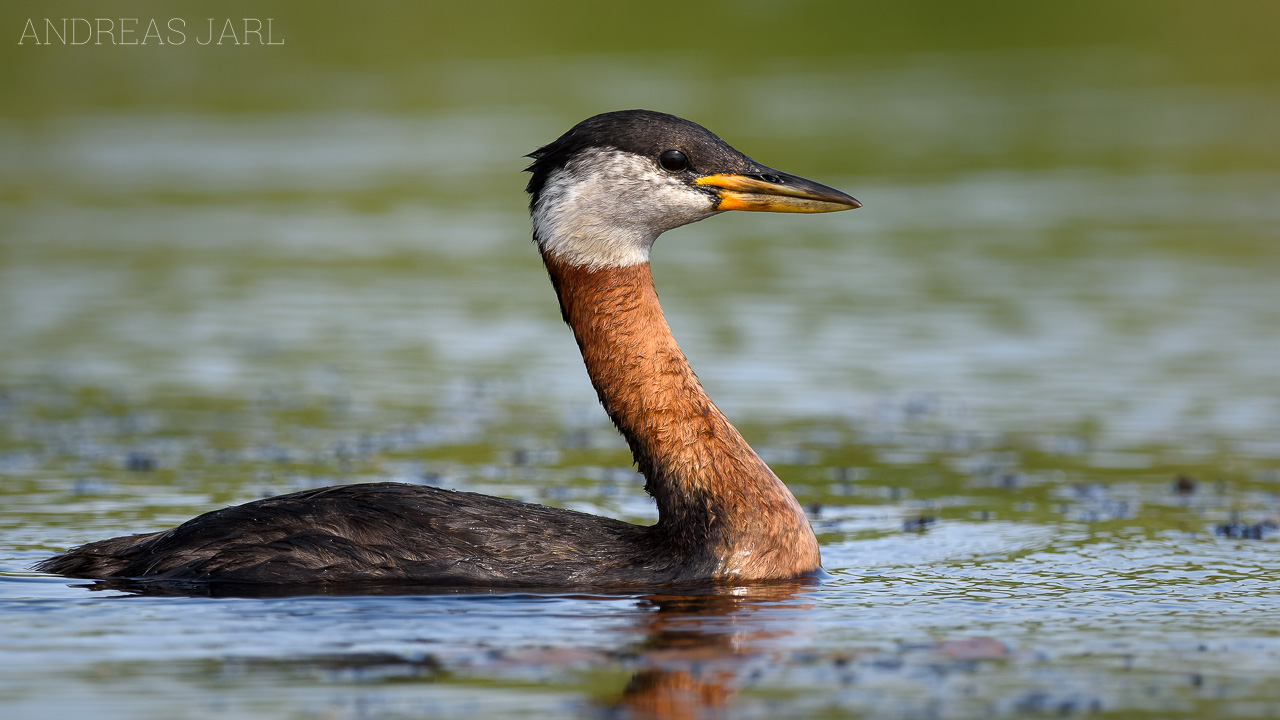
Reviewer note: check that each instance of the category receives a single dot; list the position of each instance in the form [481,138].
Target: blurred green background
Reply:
[1066,203]
[702,59]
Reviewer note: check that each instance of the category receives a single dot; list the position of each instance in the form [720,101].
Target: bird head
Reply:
[605,190]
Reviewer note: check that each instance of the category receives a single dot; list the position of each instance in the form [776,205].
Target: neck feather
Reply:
[714,493]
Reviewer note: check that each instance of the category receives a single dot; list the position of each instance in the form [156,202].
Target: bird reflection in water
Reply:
[693,649]
[699,650]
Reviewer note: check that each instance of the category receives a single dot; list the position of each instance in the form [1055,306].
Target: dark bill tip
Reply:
[774,191]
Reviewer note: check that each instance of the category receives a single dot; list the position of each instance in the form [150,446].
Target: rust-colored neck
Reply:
[714,493]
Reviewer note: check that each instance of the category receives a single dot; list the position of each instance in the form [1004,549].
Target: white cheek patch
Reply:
[606,207]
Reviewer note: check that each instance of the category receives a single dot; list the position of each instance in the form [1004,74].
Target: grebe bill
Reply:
[599,197]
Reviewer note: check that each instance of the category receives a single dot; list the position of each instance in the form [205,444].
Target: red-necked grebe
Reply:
[599,197]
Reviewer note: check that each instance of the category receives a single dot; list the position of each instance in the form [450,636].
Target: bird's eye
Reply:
[673,161]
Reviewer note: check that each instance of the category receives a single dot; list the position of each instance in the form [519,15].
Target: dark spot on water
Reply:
[919,407]
[139,462]
[1045,703]
[1184,485]
[919,524]
[1246,531]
